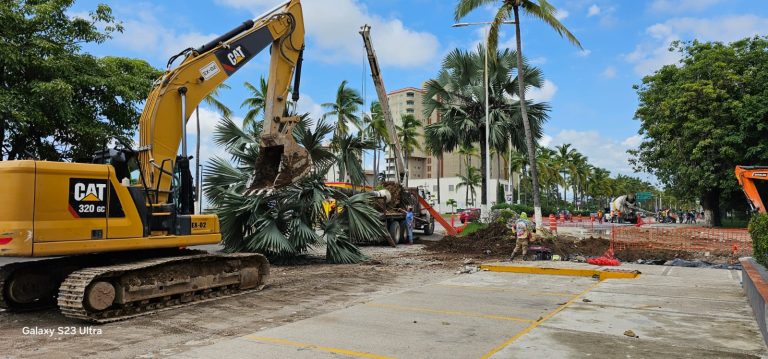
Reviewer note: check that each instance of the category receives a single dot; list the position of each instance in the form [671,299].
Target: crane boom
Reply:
[394,141]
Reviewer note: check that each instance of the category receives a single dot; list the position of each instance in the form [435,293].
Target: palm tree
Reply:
[409,137]
[452,202]
[349,157]
[563,158]
[256,104]
[543,11]
[377,130]
[468,151]
[458,92]
[345,108]
[517,162]
[579,175]
[471,180]
[438,139]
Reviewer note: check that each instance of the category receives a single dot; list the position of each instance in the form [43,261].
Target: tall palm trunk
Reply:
[466,196]
[526,123]
[484,184]
[439,169]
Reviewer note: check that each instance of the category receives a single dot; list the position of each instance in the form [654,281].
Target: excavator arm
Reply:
[754,182]
[179,90]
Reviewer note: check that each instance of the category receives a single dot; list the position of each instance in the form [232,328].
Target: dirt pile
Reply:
[497,241]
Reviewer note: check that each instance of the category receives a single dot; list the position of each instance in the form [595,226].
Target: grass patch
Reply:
[473,227]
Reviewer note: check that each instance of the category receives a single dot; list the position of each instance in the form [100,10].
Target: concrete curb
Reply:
[754,280]
[602,274]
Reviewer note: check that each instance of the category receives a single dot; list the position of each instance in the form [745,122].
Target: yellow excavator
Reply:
[117,228]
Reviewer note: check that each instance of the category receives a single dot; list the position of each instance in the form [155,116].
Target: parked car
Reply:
[469,215]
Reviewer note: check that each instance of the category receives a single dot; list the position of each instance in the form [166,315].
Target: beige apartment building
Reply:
[423,169]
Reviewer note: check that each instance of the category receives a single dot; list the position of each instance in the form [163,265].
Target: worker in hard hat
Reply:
[522,234]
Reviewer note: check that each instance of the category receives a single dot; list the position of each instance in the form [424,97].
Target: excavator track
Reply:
[40,276]
[118,292]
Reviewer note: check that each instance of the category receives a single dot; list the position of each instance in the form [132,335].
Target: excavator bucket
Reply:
[281,162]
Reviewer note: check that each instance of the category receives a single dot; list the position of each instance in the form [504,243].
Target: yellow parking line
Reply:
[448,312]
[316,347]
[602,274]
[492,289]
[536,324]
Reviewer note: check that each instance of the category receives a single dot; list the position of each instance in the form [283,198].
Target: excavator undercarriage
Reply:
[103,288]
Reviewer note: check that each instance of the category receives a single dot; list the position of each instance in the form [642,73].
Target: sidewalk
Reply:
[673,311]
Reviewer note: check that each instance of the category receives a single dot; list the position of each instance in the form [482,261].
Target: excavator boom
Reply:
[754,183]
[178,92]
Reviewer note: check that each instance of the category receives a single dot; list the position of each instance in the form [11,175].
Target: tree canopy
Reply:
[57,103]
[703,116]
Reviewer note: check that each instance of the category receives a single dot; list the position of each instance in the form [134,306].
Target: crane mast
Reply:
[378,82]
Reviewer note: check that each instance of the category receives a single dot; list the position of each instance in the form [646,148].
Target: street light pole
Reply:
[487,130]
[487,159]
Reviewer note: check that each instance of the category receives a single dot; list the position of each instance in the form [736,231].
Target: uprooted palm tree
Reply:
[539,9]
[289,222]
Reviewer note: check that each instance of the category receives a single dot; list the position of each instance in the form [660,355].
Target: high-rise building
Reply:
[423,168]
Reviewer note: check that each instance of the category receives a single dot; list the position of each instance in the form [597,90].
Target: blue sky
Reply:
[590,91]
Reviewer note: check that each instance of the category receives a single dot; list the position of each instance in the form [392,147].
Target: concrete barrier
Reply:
[754,280]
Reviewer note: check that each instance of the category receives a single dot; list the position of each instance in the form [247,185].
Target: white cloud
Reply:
[584,53]
[543,94]
[334,30]
[632,141]
[545,140]
[608,73]
[561,14]
[308,105]
[593,10]
[602,151]
[650,55]
[145,33]
[541,60]
[679,6]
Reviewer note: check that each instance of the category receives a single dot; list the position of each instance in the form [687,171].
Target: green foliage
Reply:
[758,230]
[501,197]
[57,103]
[345,108]
[541,10]
[702,117]
[505,215]
[408,134]
[283,224]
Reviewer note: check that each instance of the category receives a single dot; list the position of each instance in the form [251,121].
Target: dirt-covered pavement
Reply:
[294,293]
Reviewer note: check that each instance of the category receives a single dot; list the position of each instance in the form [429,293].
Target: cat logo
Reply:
[90,192]
[236,55]
[88,197]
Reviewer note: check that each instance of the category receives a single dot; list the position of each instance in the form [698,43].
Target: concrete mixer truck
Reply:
[624,209]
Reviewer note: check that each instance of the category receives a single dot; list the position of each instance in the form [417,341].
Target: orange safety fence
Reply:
[714,241]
